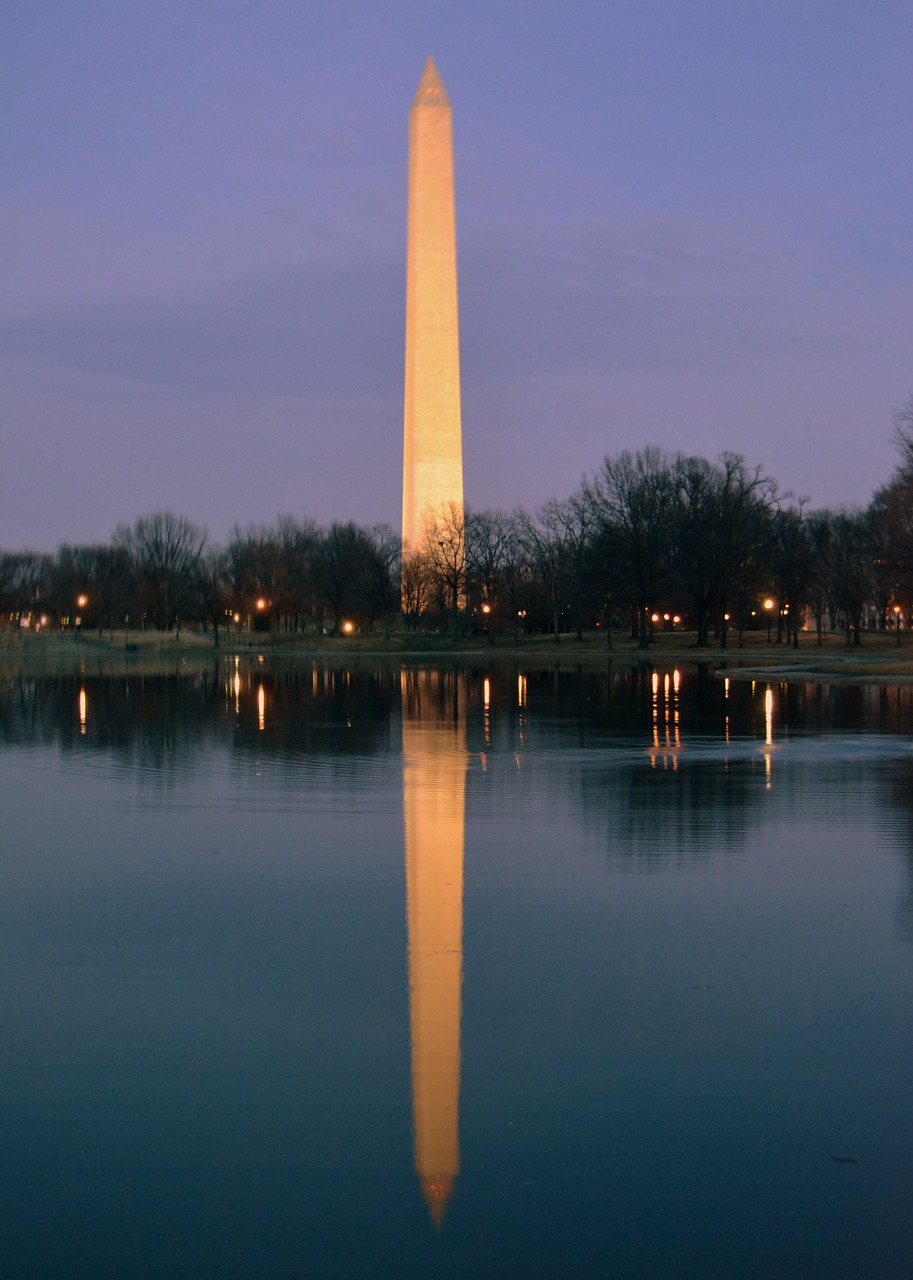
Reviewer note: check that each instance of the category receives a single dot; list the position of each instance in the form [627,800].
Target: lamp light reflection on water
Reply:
[236,686]
[83,712]
[667,746]
[768,734]
[769,717]
[726,719]
[261,707]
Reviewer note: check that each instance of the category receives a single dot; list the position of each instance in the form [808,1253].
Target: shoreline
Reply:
[877,660]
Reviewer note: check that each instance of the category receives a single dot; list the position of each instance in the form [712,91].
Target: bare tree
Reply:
[216,588]
[891,519]
[722,532]
[389,547]
[352,578]
[416,587]
[26,583]
[490,539]
[852,577]
[444,539]
[260,563]
[631,498]
[903,434]
[167,552]
[791,562]
[555,541]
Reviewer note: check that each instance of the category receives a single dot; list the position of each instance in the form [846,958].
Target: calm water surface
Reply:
[492,972]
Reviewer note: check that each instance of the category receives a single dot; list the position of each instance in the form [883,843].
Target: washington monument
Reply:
[432,445]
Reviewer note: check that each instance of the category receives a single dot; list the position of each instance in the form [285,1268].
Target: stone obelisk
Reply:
[432,445]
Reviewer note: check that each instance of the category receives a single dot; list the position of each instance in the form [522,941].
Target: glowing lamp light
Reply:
[236,617]
[261,604]
[654,617]
[348,628]
[82,601]
[486,608]
[768,603]
[676,619]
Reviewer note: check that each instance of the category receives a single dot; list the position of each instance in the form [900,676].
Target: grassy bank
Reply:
[877,658]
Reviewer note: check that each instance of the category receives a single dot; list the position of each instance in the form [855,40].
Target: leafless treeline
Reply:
[650,540]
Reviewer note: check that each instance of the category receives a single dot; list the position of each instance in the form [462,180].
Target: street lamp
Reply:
[897,625]
[768,605]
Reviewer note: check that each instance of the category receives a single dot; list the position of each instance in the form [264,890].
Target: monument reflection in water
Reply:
[687,1030]
[434,795]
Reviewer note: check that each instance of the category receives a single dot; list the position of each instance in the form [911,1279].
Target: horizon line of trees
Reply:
[649,540]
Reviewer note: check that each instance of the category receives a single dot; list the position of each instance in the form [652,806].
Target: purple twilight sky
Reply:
[680,222]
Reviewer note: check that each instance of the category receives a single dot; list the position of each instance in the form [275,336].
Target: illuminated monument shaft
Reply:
[434,783]
[432,444]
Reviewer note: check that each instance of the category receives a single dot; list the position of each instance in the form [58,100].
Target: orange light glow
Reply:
[769,717]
